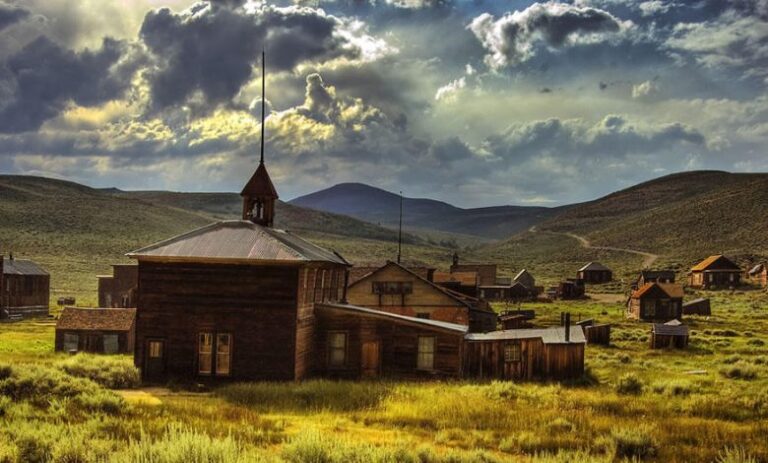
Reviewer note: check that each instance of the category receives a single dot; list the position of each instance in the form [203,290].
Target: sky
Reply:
[474,102]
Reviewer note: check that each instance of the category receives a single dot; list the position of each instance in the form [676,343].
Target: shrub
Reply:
[5,405]
[561,425]
[637,442]
[756,342]
[114,372]
[674,388]
[179,445]
[5,371]
[735,455]
[629,384]
[9,453]
[624,358]
[732,359]
[101,401]
[40,385]
[740,370]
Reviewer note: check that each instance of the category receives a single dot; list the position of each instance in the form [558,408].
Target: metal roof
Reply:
[22,267]
[594,266]
[695,301]
[380,313]
[554,335]
[239,240]
[670,329]
[709,261]
[75,318]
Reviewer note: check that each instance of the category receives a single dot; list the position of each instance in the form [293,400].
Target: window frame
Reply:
[200,371]
[513,352]
[432,353]
[331,348]
[111,336]
[71,336]
[218,354]
[151,354]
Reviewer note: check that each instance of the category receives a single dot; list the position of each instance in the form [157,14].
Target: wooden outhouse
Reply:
[594,272]
[656,301]
[715,272]
[102,331]
[24,289]
[670,334]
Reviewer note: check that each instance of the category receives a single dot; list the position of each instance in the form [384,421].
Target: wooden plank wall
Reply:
[598,334]
[485,360]
[28,293]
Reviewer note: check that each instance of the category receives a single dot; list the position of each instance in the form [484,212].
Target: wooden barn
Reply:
[25,289]
[594,272]
[102,331]
[656,301]
[715,272]
[119,289]
[655,276]
[571,289]
[397,289]
[698,306]
[555,353]
[525,278]
[672,334]
[358,342]
[759,274]
[462,282]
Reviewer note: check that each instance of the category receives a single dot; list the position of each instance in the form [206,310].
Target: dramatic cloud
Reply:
[211,49]
[10,14]
[45,78]
[513,38]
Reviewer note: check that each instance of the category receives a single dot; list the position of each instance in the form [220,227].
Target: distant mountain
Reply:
[382,207]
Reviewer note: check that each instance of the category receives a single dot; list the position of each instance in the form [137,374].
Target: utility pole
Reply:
[400,231]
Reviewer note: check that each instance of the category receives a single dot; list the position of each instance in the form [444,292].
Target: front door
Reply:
[371,359]
[154,359]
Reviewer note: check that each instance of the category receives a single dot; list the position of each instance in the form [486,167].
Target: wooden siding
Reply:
[595,276]
[663,341]
[119,290]
[598,334]
[485,360]
[27,295]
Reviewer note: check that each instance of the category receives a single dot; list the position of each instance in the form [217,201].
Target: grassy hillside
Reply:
[76,232]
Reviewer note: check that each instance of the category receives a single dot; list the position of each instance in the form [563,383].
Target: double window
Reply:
[392,287]
[425,359]
[214,354]
[512,353]
[337,349]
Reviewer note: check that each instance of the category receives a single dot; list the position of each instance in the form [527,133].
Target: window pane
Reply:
[155,349]
[337,349]
[204,356]
[110,344]
[71,342]
[512,353]
[223,351]
[426,355]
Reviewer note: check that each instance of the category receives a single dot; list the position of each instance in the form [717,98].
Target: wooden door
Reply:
[93,343]
[154,359]
[371,359]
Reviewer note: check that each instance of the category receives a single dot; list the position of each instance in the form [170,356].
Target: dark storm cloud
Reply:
[212,49]
[10,14]
[45,77]
[513,37]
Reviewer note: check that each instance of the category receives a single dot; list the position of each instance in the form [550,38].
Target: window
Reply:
[205,349]
[337,349]
[426,355]
[155,349]
[423,315]
[111,345]
[71,342]
[649,308]
[512,353]
[223,353]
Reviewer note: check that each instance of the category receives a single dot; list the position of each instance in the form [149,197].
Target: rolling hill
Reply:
[382,207]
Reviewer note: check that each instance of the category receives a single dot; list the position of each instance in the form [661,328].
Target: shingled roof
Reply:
[22,267]
[238,240]
[75,318]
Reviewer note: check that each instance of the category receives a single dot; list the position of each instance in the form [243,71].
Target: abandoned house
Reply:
[759,274]
[462,282]
[516,319]
[102,331]
[119,289]
[24,289]
[670,334]
[525,278]
[397,289]
[698,306]
[656,301]
[654,276]
[570,288]
[594,272]
[515,291]
[715,272]
[596,333]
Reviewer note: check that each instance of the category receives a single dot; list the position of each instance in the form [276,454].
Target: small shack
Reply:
[596,333]
[102,331]
[25,289]
[715,272]
[571,289]
[548,353]
[516,319]
[698,306]
[759,274]
[525,278]
[119,289]
[656,302]
[595,272]
[669,335]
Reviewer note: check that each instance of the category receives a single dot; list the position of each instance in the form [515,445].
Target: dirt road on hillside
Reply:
[648,258]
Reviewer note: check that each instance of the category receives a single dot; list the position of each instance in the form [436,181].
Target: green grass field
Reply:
[708,403]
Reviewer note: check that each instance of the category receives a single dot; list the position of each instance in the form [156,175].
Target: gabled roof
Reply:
[672,290]
[700,300]
[594,266]
[709,261]
[670,329]
[522,273]
[260,184]
[22,267]
[238,240]
[554,335]
[756,269]
[74,318]
[403,318]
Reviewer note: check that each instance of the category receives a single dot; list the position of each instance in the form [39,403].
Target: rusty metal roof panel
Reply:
[239,240]
[554,335]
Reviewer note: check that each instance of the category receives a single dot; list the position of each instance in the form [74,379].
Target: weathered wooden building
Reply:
[596,333]
[525,278]
[512,292]
[655,276]
[103,331]
[516,319]
[570,289]
[397,289]
[462,282]
[670,334]
[715,272]
[594,272]
[24,289]
[656,301]
[759,274]
[119,289]
[700,306]
[486,273]
[527,354]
